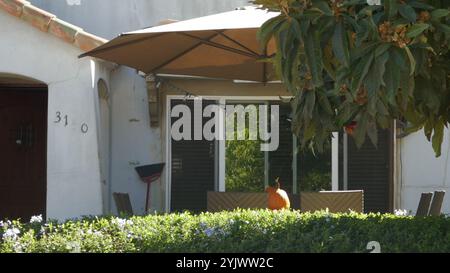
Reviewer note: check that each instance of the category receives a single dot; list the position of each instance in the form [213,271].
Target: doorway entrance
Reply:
[23,146]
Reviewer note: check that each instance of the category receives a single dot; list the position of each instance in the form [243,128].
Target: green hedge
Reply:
[238,231]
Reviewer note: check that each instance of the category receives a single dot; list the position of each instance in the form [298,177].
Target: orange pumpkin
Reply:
[277,198]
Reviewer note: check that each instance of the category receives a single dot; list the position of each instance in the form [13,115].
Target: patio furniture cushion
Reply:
[220,201]
[436,205]
[334,201]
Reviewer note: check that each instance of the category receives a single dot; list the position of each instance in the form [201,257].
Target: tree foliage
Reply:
[349,62]
[244,166]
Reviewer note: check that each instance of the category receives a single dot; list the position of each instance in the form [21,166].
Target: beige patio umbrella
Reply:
[223,46]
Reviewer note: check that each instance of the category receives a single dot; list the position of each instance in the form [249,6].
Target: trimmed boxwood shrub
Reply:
[238,231]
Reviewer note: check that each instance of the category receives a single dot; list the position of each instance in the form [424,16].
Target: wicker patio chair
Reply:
[334,201]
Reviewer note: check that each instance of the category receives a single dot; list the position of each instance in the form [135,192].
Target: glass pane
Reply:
[244,162]
[314,170]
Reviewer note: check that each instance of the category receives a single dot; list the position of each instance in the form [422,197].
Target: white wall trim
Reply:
[168,157]
[335,162]
[222,146]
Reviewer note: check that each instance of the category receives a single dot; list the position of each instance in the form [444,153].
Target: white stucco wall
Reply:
[73,179]
[134,142]
[420,171]
[109,18]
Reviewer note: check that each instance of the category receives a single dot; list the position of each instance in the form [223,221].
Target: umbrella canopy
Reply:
[223,45]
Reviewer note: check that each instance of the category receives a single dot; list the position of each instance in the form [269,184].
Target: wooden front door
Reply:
[23,156]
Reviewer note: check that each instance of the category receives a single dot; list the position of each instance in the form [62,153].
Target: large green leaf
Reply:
[437,14]
[372,132]
[340,44]
[381,49]
[408,12]
[289,67]
[416,29]
[438,137]
[314,58]
[310,102]
[296,30]
[363,50]
[400,58]
[361,129]
[323,7]
[284,38]
[361,70]
[325,103]
[265,33]
[374,78]
[412,60]
[420,5]
[391,8]
[392,80]
[407,85]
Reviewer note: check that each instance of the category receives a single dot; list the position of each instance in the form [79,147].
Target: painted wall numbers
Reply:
[84,128]
[60,118]
[63,119]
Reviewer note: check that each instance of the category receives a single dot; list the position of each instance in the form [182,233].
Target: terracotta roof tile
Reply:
[87,41]
[14,7]
[63,30]
[48,22]
[37,17]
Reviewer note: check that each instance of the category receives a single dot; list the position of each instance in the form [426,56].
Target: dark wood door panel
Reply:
[23,141]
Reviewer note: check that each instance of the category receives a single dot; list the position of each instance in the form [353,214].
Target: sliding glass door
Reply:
[234,164]
[248,169]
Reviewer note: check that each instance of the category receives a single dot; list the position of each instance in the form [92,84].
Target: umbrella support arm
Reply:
[182,54]
[239,44]
[234,50]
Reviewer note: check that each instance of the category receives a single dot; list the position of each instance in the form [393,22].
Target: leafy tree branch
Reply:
[360,64]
